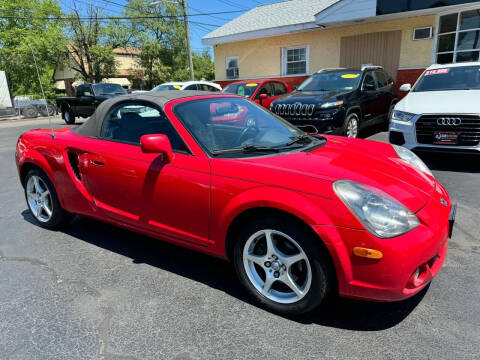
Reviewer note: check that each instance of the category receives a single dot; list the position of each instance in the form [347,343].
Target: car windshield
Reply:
[108,89]
[332,80]
[244,89]
[453,78]
[233,127]
[164,87]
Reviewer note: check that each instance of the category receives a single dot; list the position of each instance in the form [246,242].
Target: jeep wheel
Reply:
[351,126]
[69,117]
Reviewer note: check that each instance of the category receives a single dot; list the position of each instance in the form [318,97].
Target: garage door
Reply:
[382,48]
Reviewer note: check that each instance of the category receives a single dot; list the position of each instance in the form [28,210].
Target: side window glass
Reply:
[192,87]
[88,91]
[80,90]
[128,122]
[369,82]
[381,79]
[265,89]
[279,89]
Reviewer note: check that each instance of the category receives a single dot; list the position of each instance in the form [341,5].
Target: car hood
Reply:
[311,96]
[441,102]
[367,162]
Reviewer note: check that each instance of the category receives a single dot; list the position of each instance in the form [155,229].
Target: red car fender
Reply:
[304,209]
[34,157]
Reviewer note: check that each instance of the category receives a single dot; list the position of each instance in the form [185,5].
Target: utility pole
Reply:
[187,33]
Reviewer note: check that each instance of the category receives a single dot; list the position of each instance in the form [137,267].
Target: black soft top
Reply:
[93,126]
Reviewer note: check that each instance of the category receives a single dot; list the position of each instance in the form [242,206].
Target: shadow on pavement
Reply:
[219,274]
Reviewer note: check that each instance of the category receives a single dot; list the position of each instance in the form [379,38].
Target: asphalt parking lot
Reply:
[93,291]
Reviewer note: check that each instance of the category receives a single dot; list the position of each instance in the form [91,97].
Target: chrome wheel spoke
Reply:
[269,240]
[45,193]
[267,285]
[255,259]
[36,185]
[293,259]
[47,210]
[287,280]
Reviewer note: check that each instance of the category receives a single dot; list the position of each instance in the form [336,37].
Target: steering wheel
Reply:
[250,125]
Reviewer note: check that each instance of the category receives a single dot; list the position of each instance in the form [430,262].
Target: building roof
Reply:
[291,15]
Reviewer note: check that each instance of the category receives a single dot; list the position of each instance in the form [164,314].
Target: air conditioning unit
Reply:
[232,73]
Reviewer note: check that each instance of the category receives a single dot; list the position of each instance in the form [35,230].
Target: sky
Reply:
[197,31]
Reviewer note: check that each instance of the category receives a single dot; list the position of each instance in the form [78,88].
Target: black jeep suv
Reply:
[339,101]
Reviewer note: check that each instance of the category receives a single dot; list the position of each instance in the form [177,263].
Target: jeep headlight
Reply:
[409,157]
[331,104]
[402,116]
[382,215]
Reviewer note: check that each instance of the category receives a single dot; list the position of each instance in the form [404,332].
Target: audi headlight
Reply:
[409,157]
[402,116]
[382,215]
[331,104]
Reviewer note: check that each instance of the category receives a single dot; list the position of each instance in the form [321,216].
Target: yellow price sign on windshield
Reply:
[350,76]
[252,84]
[177,87]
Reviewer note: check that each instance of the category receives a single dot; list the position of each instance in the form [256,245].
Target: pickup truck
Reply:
[88,97]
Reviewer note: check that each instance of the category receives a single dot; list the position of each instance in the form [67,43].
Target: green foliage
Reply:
[18,31]
[89,52]
[203,66]
[161,41]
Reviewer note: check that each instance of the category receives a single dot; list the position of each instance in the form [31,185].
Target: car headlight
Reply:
[411,158]
[382,215]
[402,116]
[331,104]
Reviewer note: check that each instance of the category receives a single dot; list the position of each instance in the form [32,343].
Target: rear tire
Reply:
[69,117]
[289,274]
[351,127]
[42,201]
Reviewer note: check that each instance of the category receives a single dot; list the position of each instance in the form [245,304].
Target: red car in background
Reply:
[300,216]
[261,91]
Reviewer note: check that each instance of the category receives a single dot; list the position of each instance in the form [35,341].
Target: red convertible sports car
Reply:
[299,216]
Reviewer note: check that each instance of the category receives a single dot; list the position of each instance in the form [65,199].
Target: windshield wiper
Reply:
[306,139]
[246,149]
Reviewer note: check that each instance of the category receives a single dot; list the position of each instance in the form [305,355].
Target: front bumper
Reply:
[392,278]
[324,121]
[404,134]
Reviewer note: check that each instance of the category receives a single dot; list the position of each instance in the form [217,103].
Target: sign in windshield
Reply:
[450,78]
[332,80]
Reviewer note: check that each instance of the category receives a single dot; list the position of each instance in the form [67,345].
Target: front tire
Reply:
[69,117]
[282,265]
[351,127]
[42,201]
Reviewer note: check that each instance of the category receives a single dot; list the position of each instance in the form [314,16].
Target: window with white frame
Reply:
[232,67]
[458,37]
[295,60]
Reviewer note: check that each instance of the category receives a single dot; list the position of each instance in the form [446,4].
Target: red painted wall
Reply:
[407,76]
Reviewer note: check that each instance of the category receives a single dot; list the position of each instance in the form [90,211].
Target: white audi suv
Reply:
[441,112]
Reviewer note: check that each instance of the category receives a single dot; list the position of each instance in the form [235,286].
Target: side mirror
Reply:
[369,87]
[263,97]
[157,144]
[406,87]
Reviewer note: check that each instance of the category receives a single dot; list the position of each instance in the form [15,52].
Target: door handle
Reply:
[97,163]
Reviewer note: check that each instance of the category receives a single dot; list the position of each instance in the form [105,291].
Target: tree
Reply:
[88,50]
[160,37]
[203,65]
[25,24]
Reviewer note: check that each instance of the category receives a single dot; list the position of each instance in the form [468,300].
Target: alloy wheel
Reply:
[277,266]
[352,127]
[39,199]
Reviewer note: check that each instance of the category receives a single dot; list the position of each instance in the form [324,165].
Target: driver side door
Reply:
[142,190]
